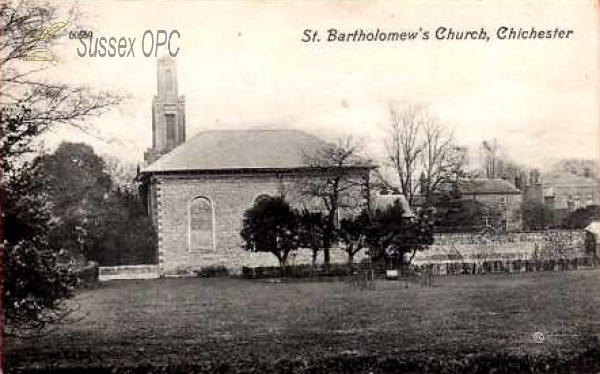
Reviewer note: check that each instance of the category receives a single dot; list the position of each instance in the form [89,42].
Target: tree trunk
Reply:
[329,236]
[350,259]
[282,268]
[412,256]
[282,263]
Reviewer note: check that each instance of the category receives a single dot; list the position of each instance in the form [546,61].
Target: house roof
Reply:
[487,187]
[240,149]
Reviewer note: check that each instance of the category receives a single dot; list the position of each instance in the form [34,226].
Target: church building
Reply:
[198,190]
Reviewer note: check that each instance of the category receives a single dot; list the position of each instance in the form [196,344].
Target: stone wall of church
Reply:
[230,195]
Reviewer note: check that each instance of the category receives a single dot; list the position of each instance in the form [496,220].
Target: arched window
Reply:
[201,225]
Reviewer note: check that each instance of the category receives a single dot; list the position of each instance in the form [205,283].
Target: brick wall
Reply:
[230,195]
[128,272]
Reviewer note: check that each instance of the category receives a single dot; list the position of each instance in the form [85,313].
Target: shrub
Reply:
[214,271]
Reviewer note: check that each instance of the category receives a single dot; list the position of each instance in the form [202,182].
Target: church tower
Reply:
[168,112]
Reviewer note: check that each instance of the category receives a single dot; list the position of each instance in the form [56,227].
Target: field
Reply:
[548,321]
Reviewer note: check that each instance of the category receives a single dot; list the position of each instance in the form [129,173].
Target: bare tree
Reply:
[419,148]
[123,173]
[490,158]
[339,178]
[442,161]
[496,163]
[29,85]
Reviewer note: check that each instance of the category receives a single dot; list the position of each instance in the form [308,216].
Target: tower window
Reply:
[168,81]
[170,123]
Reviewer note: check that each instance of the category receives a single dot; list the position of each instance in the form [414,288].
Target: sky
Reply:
[243,65]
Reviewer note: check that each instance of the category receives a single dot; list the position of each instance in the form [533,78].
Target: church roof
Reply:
[487,187]
[240,149]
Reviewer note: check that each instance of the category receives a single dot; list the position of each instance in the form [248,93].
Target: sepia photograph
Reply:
[366,187]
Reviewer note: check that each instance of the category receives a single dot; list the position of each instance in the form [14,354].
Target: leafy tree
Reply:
[536,215]
[462,215]
[271,226]
[391,236]
[125,235]
[94,220]
[34,282]
[581,217]
[353,233]
[312,232]
[78,188]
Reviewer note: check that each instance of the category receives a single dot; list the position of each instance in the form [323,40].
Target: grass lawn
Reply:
[206,321]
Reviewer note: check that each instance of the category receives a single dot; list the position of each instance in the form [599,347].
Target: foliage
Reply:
[77,186]
[124,234]
[463,215]
[333,183]
[312,227]
[590,244]
[391,236]
[94,220]
[353,232]
[214,271]
[35,283]
[581,218]
[536,215]
[271,226]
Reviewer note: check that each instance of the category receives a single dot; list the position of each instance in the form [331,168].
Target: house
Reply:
[198,190]
[500,197]
[565,192]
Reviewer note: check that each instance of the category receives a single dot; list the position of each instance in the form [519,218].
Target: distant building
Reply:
[582,168]
[565,192]
[498,194]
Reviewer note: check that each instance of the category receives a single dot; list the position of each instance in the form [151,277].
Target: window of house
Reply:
[201,225]
[503,202]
